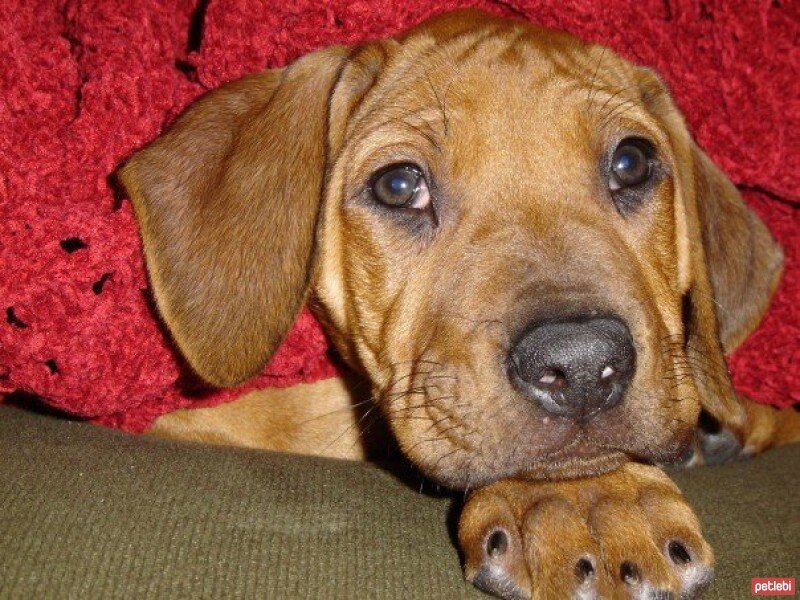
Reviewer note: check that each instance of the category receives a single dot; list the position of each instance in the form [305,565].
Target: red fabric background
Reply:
[85,82]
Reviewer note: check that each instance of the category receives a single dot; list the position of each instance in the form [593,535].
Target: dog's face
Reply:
[508,230]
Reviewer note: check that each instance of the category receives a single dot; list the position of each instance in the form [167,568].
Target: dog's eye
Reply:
[631,164]
[401,186]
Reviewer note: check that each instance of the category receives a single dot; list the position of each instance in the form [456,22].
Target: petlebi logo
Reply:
[773,586]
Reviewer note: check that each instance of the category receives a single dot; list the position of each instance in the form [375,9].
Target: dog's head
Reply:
[510,231]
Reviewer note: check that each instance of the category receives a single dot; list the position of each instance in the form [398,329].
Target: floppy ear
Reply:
[227,202]
[730,261]
[736,265]
[744,262]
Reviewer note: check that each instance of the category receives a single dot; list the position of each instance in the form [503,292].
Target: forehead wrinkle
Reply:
[393,119]
[395,71]
[490,48]
[617,109]
[607,73]
[448,57]
[564,54]
[471,46]
[612,94]
[467,50]
[400,67]
[615,93]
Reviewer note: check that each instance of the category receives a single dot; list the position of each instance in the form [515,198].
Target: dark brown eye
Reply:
[630,165]
[401,186]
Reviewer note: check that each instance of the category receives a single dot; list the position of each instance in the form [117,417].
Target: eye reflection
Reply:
[630,165]
[401,186]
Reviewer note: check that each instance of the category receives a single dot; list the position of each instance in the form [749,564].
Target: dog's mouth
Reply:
[581,456]
[560,450]
[584,456]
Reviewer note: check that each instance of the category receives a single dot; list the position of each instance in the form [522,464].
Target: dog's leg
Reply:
[626,534]
[768,427]
[326,418]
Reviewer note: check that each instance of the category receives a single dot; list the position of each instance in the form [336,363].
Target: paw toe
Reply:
[496,567]
[693,571]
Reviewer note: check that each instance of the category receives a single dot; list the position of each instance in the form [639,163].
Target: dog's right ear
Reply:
[227,202]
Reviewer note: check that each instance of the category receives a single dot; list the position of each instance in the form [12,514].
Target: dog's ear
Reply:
[743,260]
[228,202]
[736,266]
[730,264]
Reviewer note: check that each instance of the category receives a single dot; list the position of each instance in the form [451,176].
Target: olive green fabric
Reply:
[87,512]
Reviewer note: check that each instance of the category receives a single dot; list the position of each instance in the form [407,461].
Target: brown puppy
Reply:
[511,235]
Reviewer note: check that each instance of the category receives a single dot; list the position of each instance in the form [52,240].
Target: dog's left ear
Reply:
[743,260]
[730,264]
[736,267]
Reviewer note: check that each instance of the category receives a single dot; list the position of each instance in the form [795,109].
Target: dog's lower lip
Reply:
[578,452]
[580,446]
[581,464]
[581,456]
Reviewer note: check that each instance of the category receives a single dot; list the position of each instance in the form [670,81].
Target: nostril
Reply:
[552,378]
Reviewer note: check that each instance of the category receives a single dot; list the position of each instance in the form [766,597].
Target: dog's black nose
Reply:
[574,368]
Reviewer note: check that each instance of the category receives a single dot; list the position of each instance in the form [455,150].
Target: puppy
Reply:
[510,234]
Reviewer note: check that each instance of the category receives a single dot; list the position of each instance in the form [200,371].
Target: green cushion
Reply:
[89,512]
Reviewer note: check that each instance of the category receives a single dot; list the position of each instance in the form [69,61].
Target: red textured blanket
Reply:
[85,82]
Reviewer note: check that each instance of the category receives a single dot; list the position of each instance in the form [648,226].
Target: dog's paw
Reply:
[627,534]
[712,447]
[715,443]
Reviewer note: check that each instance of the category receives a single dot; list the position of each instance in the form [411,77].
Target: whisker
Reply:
[349,407]
[349,428]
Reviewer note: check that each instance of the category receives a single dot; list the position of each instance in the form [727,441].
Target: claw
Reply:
[493,579]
